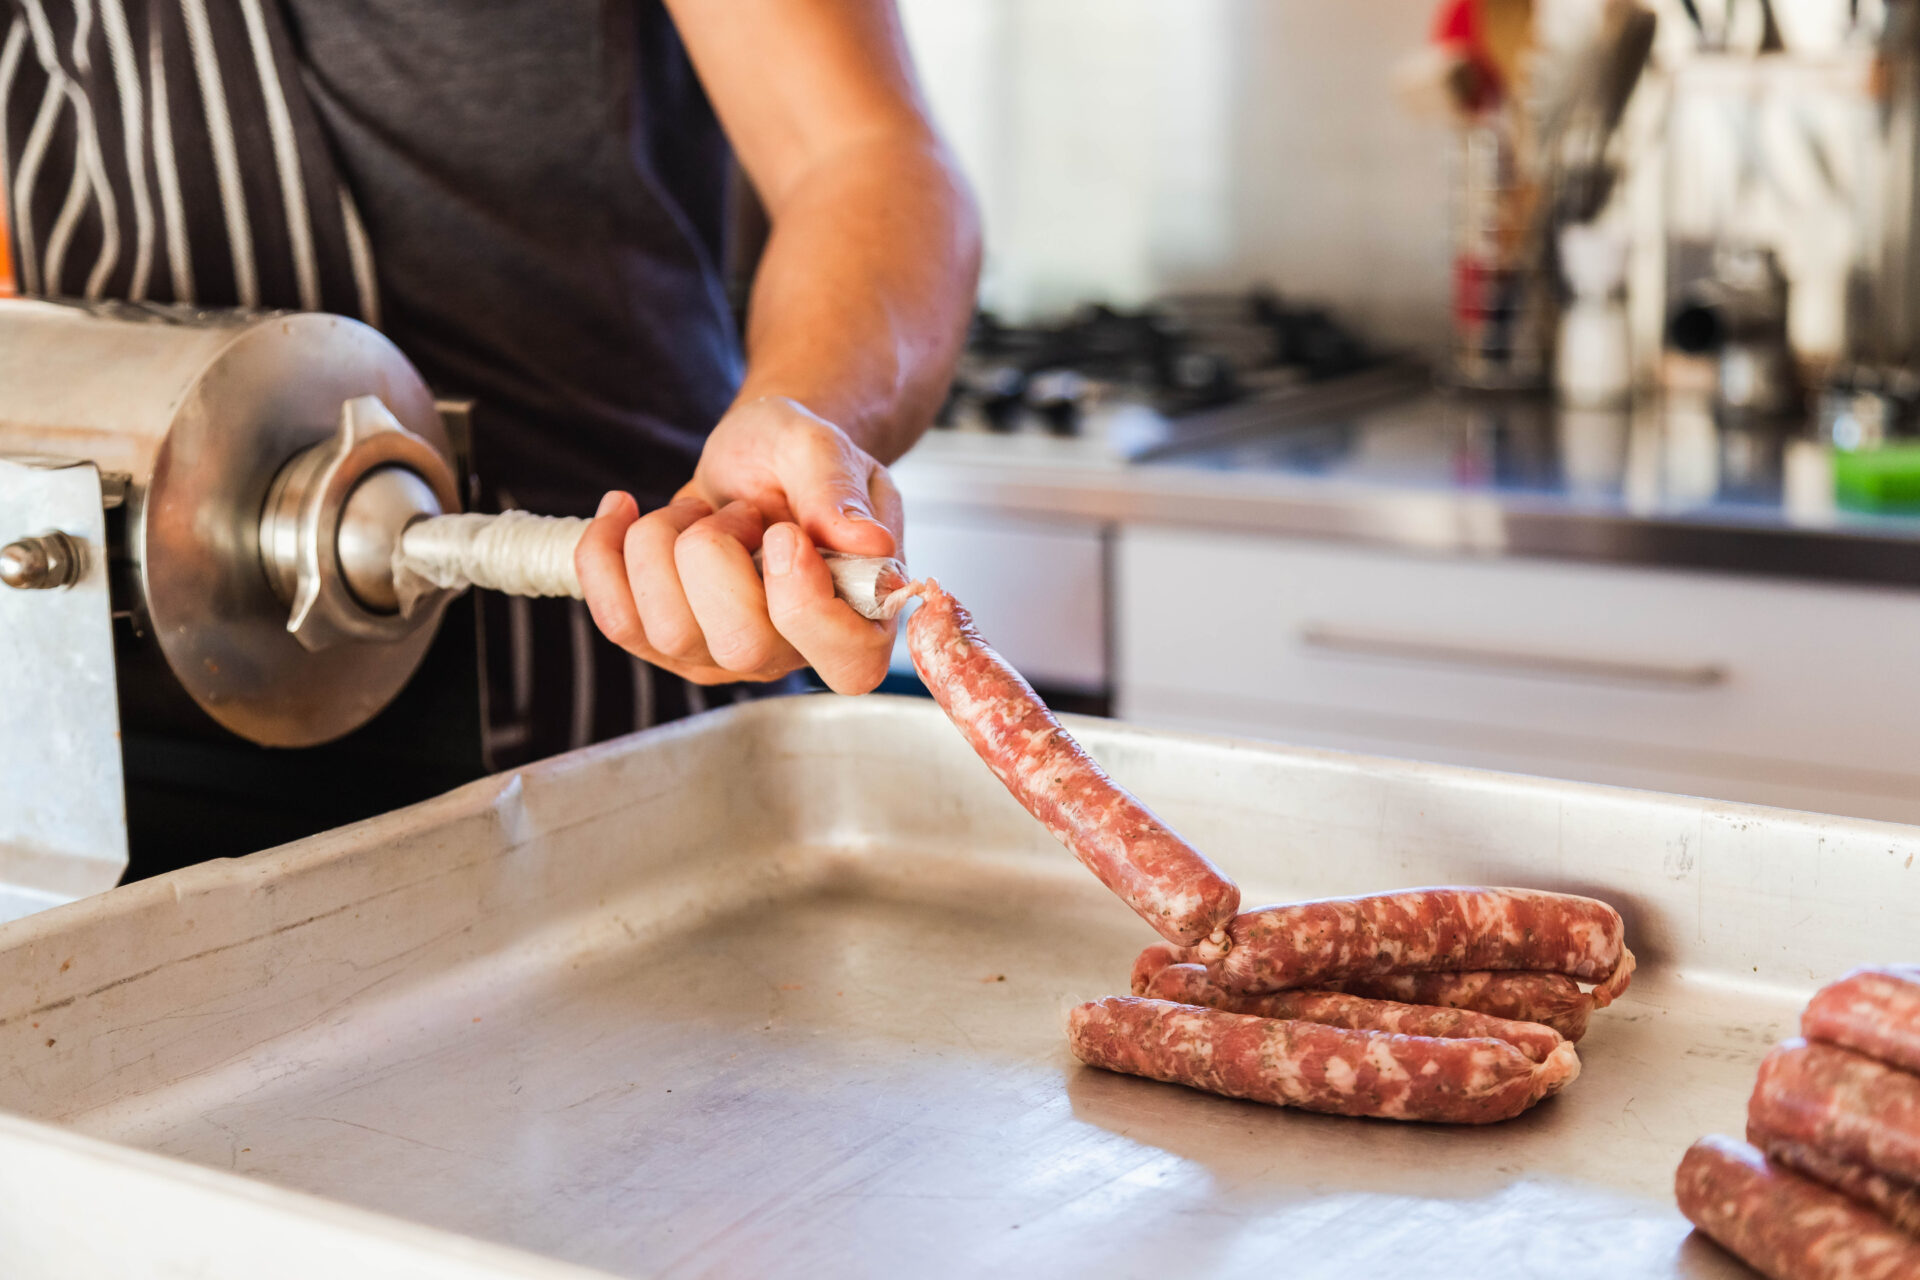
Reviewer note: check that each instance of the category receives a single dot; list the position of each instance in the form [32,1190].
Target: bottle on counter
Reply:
[1592,366]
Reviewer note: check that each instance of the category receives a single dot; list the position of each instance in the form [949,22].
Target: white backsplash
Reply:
[1123,148]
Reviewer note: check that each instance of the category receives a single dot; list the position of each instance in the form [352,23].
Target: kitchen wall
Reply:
[1122,148]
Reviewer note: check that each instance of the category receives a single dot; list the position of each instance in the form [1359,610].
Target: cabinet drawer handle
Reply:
[1380,644]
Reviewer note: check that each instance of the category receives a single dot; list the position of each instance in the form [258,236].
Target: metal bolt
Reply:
[41,564]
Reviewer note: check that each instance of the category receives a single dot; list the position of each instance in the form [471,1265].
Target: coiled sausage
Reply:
[1318,1068]
[1875,1011]
[1843,1103]
[1191,984]
[1896,1201]
[1442,929]
[1551,999]
[1783,1225]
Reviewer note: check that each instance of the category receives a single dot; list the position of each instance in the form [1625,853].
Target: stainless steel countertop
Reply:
[1435,472]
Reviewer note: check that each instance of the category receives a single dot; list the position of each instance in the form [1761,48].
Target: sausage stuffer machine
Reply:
[222,532]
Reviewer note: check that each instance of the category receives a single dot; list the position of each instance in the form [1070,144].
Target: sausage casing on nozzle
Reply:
[522,554]
[1167,881]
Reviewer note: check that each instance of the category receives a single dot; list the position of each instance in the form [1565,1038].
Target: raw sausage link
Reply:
[1876,1011]
[1551,999]
[1315,1067]
[1191,984]
[1152,959]
[1896,1201]
[1310,944]
[1169,882]
[1782,1225]
[1842,1103]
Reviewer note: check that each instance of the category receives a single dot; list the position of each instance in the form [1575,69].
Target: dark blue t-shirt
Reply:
[544,187]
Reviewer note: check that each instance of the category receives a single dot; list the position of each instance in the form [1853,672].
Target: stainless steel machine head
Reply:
[223,490]
[248,443]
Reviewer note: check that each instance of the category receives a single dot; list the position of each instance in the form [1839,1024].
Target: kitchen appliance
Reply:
[1738,318]
[1181,355]
[228,542]
[193,505]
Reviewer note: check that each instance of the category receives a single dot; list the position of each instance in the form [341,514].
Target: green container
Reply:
[1885,481]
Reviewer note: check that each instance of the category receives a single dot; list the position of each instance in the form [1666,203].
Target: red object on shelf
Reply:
[1458,23]
[1459,28]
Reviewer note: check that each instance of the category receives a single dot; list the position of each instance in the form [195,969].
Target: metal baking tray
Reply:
[782,990]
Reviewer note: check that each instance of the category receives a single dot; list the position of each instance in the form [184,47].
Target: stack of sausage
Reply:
[1448,1004]
[1455,1005]
[1827,1185]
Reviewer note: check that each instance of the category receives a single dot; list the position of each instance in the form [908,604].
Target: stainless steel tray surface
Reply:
[782,991]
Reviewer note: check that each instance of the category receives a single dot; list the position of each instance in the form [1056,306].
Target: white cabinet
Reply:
[1755,689]
[1037,589]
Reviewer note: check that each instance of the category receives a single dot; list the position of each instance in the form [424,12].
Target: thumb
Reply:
[837,511]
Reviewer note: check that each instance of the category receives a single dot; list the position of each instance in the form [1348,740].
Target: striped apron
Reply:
[168,151]
[164,150]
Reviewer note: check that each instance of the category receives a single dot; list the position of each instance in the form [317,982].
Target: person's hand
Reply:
[677,586]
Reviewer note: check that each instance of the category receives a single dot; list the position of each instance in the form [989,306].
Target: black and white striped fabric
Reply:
[169,151]
[166,150]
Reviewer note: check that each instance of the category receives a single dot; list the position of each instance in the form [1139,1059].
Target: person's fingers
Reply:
[715,563]
[833,505]
[625,562]
[601,567]
[826,479]
[847,651]
[666,619]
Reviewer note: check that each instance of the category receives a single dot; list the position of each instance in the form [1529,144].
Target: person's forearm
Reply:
[864,292]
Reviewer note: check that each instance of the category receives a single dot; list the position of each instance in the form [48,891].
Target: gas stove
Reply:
[1179,356]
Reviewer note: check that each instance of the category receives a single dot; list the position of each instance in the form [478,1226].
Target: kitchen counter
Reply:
[1644,600]
[1438,472]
